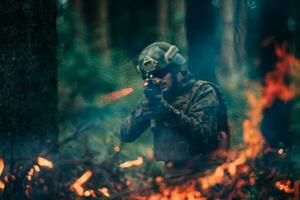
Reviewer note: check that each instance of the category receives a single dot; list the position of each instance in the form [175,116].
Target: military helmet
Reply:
[157,57]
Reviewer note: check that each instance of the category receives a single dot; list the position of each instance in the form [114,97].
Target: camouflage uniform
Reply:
[180,136]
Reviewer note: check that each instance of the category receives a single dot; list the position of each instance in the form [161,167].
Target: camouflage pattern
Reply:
[189,129]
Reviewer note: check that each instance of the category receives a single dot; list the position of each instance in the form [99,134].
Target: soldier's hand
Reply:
[153,110]
[153,92]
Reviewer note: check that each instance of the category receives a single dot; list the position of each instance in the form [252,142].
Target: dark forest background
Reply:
[60,61]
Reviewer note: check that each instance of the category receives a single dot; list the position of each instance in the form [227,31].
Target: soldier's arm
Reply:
[135,123]
[200,121]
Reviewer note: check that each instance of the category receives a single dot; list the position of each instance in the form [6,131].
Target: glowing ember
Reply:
[284,186]
[89,193]
[77,185]
[134,163]
[159,179]
[43,162]
[36,168]
[280,152]
[1,166]
[2,185]
[104,191]
[117,149]
[30,174]
[116,95]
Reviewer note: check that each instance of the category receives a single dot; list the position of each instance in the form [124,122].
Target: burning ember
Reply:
[77,185]
[104,191]
[43,162]
[284,185]
[134,163]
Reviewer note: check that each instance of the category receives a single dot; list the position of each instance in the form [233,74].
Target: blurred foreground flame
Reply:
[77,185]
[43,162]
[134,163]
[1,166]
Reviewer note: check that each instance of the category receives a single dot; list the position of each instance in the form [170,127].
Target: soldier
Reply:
[187,117]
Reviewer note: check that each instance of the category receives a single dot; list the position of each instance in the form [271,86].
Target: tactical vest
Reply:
[170,145]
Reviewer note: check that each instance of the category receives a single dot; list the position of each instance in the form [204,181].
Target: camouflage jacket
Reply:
[188,130]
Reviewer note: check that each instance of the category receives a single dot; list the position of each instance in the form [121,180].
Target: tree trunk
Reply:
[28,91]
[202,43]
[240,30]
[228,62]
[178,31]
[233,26]
[102,31]
[77,6]
[163,20]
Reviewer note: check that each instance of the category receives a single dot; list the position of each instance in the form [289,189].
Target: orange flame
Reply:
[252,138]
[77,185]
[1,166]
[116,95]
[43,162]
[275,86]
[134,163]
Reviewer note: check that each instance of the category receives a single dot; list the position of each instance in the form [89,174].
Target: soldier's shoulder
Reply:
[204,86]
